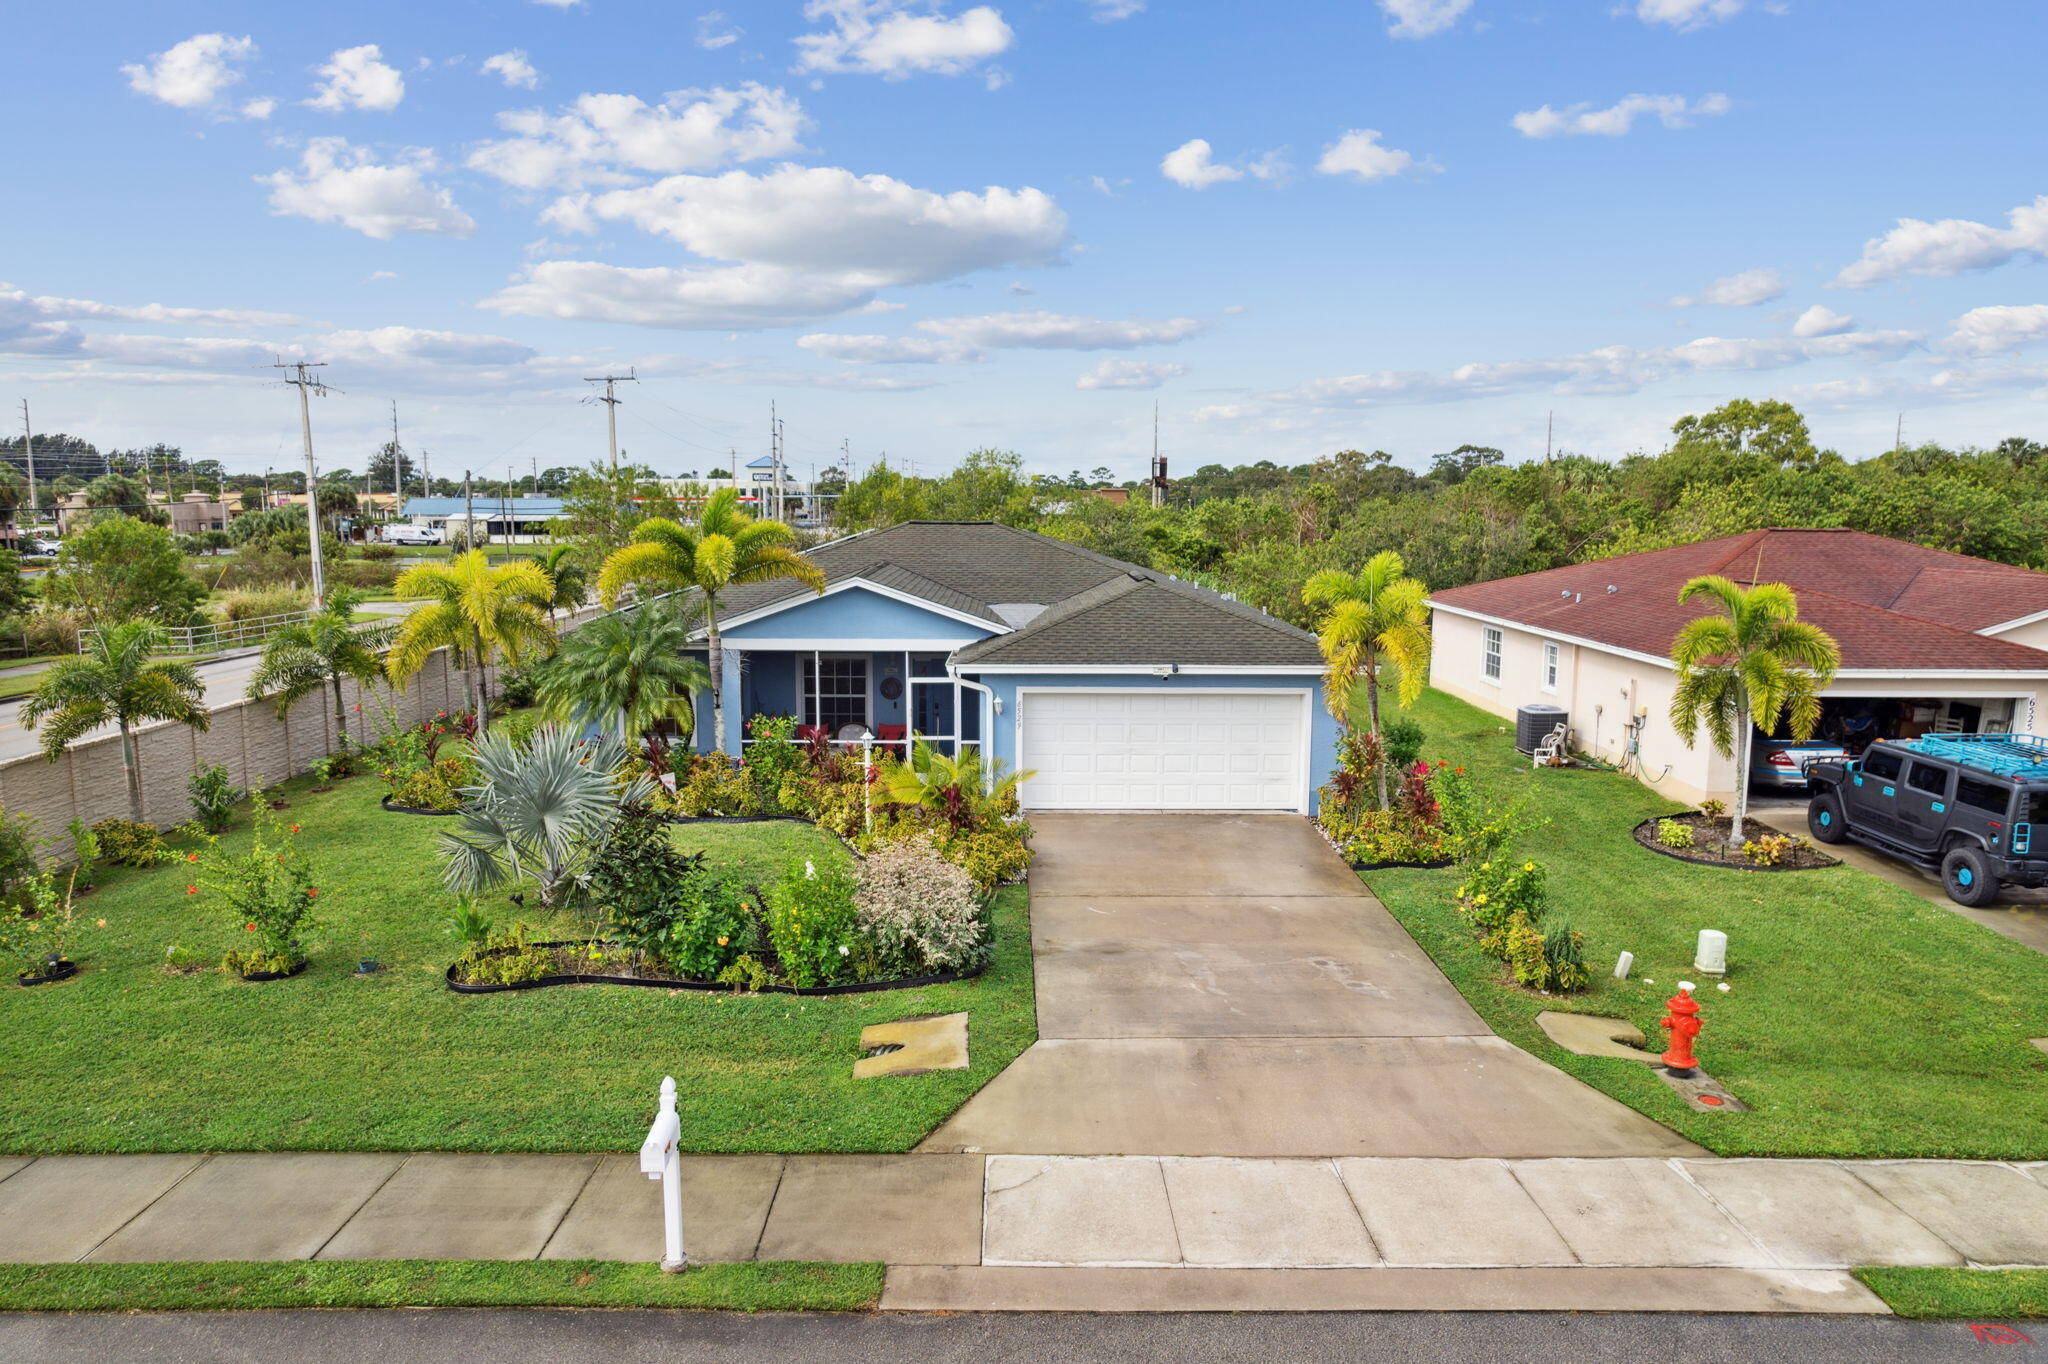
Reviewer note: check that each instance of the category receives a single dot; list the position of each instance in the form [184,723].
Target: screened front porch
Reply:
[851,699]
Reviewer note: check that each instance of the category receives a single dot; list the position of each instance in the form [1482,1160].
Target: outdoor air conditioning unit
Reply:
[1533,724]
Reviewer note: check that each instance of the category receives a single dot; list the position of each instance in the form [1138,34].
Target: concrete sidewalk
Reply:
[1142,1233]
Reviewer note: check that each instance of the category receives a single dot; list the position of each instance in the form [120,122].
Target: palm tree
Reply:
[1746,666]
[565,570]
[725,549]
[542,809]
[318,652]
[474,609]
[1378,617]
[630,666]
[115,683]
[959,790]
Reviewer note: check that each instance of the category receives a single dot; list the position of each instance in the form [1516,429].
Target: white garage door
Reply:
[1163,750]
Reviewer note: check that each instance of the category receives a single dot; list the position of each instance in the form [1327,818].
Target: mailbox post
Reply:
[660,1159]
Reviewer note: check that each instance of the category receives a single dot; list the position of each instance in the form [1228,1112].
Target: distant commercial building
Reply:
[189,515]
[517,520]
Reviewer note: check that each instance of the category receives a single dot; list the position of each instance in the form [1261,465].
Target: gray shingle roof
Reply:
[1146,620]
[1098,609]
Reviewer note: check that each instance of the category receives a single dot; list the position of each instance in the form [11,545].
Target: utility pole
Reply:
[1158,461]
[1898,434]
[468,513]
[307,385]
[1549,429]
[775,511]
[536,475]
[397,465]
[28,439]
[611,409]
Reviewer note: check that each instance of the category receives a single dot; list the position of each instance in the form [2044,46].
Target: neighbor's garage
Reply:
[1155,749]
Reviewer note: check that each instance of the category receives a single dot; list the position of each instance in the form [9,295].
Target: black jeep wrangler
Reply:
[1965,805]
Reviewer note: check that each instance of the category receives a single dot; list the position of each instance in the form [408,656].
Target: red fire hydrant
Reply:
[1683,1023]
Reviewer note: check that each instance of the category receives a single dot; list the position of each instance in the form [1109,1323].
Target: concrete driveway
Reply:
[1224,985]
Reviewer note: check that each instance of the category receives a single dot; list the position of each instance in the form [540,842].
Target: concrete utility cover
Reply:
[1592,1035]
[920,1045]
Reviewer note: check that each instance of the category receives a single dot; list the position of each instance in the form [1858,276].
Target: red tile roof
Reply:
[1887,603]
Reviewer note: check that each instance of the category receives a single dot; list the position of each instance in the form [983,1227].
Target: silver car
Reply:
[1782,763]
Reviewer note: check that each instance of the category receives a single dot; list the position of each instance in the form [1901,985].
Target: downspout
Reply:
[988,727]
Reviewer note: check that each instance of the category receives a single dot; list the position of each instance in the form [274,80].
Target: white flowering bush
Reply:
[921,912]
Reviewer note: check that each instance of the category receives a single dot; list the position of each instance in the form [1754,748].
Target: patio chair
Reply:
[891,737]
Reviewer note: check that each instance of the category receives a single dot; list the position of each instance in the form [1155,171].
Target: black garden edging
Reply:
[50,975]
[1437,865]
[254,976]
[412,809]
[676,983]
[1646,835]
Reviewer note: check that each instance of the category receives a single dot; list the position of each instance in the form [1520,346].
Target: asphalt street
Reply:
[458,1337]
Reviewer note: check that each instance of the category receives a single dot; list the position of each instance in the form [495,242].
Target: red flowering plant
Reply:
[268,891]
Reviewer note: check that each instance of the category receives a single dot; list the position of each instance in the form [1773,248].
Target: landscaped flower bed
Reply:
[593,961]
[1702,836]
[426,765]
[948,801]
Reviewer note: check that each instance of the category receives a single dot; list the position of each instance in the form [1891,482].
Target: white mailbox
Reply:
[660,1159]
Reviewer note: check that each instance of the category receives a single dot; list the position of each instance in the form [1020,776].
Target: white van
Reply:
[405,533]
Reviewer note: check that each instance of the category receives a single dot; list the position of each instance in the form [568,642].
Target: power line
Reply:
[307,385]
[611,408]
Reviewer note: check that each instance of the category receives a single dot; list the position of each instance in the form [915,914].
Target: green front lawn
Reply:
[1862,1020]
[185,1287]
[128,1058]
[1969,1294]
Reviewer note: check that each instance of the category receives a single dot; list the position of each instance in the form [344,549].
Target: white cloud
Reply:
[339,183]
[718,298]
[1359,154]
[262,107]
[598,138]
[1581,120]
[1989,331]
[872,229]
[1192,165]
[376,275]
[1422,18]
[358,78]
[157,312]
[1052,331]
[1128,374]
[1109,11]
[1745,290]
[715,31]
[193,74]
[895,40]
[559,4]
[1687,14]
[1609,370]
[26,328]
[889,350]
[514,69]
[1951,246]
[1821,320]
[414,343]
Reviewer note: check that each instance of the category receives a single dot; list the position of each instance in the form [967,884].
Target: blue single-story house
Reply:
[1123,688]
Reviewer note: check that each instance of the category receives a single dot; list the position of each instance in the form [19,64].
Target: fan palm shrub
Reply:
[725,549]
[626,668]
[480,612]
[115,683]
[1745,667]
[541,810]
[961,791]
[1373,619]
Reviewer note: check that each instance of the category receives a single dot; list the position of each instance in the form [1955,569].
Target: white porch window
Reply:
[1489,662]
[835,690]
[1550,665]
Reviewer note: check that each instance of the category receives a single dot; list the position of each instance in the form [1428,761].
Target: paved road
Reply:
[458,1337]
[1224,985]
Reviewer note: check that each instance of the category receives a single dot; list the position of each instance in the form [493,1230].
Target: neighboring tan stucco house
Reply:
[1930,641]
[1123,688]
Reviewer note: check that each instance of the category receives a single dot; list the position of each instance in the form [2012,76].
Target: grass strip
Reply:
[183,1286]
[1967,1294]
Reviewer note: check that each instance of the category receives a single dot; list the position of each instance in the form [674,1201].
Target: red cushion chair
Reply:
[892,737]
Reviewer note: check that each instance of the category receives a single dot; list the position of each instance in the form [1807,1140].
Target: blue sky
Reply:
[923,227]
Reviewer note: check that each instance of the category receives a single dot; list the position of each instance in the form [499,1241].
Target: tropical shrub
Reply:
[1672,834]
[508,958]
[1771,849]
[268,890]
[52,631]
[437,786]
[17,855]
[1403,738]
[214,797]
[85,846]
[469,923]
[715,787]
[1521,947]
[379,554]
[258,602]
[126,843]
[920,911]
[1564,950]
[772,758]
[1714,809]
[810,918]
[36,933]
[540,811]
